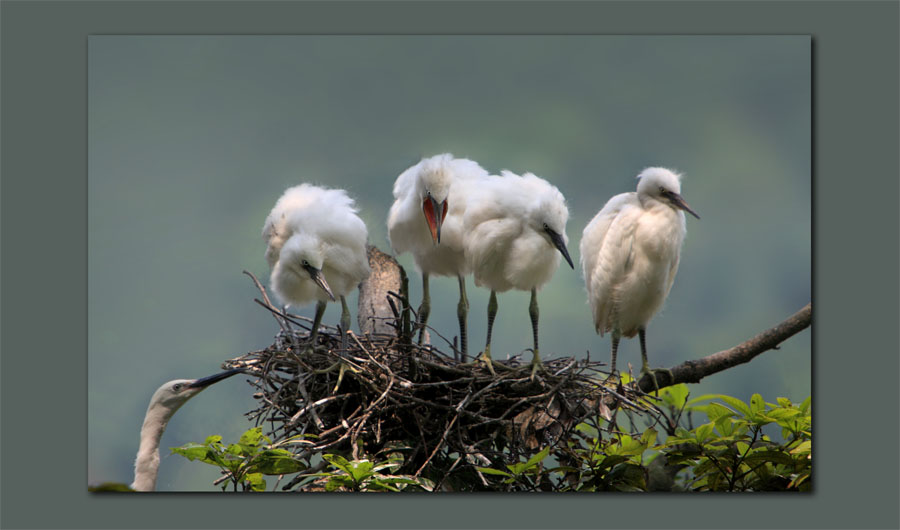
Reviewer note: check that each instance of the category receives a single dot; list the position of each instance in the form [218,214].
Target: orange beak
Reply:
[430,207]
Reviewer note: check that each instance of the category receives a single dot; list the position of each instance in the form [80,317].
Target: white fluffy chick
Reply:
[316,246]
[426,220]
[515,232]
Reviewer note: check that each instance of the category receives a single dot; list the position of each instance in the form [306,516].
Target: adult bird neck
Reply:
[146,465]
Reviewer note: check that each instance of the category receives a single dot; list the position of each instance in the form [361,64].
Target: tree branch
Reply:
[695,370]
[374,310]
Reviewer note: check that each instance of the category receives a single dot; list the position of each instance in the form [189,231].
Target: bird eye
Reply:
[305,263]
[177,387]
[546,227]
[662,190]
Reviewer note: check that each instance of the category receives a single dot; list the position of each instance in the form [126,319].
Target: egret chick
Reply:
[165,402]
[515,231]
[426,220]
[316,246]
[629,255]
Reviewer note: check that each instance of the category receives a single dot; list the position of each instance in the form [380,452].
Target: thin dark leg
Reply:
[425,308]
[614,339]
[645,368]
[491,314]
[645,365]
[345,323]
[320,310]
[533,311]
[462,310]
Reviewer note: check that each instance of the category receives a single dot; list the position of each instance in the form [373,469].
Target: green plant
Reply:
[245,461]
[366,475]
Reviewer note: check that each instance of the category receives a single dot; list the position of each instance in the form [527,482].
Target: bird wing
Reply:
[606,248]
[277,229]
[489,229]
[328,213]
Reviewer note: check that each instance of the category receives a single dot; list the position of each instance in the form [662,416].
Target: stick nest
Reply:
[445,415]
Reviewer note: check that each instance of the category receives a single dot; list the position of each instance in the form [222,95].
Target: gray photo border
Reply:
[44,264]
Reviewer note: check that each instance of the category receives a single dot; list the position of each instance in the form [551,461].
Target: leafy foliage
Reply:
[734,450]
[246,461]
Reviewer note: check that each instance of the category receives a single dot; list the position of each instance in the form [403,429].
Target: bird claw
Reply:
[652,373]
[485,357]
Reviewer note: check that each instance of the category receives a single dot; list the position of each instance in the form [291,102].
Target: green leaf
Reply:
[215,438]
[804,407]
[492,471]
[715,411]
[675,395]
[704,432]
[804,447]
[784,402]
[361,470]
[757,404]
[252,437]
[725,425]
[339,462]
[769,456]
[736,403]
[270,462]
[648,438]
[256,480]
[538,458]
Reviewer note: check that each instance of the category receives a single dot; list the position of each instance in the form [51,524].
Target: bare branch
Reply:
[695,370]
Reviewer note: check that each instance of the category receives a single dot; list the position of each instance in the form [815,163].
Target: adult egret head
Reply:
[630,253]
[515,233]
[167,399]
[661,184]
[316,246]
[426,220]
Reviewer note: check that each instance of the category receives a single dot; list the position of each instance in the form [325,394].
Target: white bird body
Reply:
[506,244]
[445,178]
[167,399]
[426,220]
[319,226]
[630,253]
[515,231]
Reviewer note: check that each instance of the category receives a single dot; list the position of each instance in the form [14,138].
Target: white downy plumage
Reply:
[630,253]
[515,231]
[426,221]
[316,246]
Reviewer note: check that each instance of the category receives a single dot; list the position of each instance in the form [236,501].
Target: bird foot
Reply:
[485,357]
[645,369]
[613,376]
[536,364]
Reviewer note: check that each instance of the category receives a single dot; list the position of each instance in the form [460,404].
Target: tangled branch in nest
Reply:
[386,393]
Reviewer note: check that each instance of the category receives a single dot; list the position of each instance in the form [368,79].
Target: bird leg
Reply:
[314,334]
[645,366]
[425,308]
[462,311]
[492,313]
[345,322]
[533,311]
[614,339]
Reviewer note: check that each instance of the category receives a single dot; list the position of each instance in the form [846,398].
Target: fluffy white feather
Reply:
[319,226]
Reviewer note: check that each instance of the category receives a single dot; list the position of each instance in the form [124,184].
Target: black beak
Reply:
[678,201]
[559,244]
[206,381]
[319,278]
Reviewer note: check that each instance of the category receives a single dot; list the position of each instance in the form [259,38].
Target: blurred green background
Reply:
[192,139]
